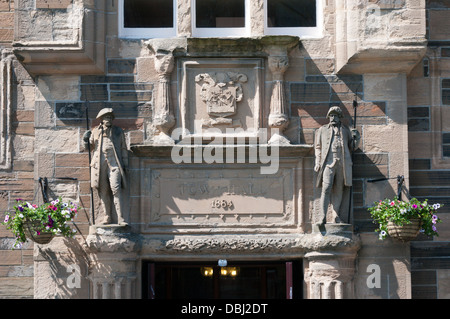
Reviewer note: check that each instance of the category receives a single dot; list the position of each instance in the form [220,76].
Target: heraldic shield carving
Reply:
[221,91]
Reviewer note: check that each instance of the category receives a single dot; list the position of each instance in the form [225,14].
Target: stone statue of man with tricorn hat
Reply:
[333,146]
[108,165]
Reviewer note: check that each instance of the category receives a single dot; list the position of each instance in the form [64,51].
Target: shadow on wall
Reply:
[310,100]
[383,269]
[63,267]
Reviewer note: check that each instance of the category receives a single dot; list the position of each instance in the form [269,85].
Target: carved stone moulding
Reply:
[270,245]
[394,59]
[6,109]
[80,49]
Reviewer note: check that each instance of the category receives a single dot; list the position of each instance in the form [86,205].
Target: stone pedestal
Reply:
[339,229]
[330,272]
[112,251]
[330,275]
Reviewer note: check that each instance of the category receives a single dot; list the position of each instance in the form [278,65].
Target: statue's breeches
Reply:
[110,177]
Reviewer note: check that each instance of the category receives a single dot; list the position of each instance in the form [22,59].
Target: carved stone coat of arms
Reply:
[221,91]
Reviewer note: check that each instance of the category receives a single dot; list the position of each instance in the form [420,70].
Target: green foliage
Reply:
[401,212]
[53,216]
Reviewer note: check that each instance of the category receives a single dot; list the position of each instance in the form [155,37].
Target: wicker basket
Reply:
[31,228]
[405,232]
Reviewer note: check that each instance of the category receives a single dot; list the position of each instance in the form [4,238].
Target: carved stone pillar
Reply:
[277,49]
[6,87]
[278,118]
[164,119]
[330,275]
[112,256]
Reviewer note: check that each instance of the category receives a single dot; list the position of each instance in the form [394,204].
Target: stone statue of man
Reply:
[108,164]
[333,145]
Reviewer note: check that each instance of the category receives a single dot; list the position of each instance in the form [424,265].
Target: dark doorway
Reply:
[238,280]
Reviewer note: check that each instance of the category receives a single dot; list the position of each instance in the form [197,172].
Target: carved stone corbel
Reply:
[278,118]
[163,119]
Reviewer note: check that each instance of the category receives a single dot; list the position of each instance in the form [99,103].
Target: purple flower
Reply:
[433,227]
[50,221]
[20,208]
[6,218]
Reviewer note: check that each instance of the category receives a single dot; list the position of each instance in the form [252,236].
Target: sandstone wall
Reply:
[399,117]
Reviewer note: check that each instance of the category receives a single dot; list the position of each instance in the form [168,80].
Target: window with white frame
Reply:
[147,18]
[301,18]
[220,18]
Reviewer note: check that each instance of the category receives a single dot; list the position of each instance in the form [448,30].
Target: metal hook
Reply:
[400,180]
[44,188]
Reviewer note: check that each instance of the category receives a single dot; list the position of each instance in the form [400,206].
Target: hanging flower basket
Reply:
[33,231]
[405,232]
[40,223]
[405,220]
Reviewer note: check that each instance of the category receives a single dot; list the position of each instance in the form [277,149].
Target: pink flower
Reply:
[414,206]
[392,203]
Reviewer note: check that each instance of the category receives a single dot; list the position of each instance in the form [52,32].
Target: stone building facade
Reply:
[65,60]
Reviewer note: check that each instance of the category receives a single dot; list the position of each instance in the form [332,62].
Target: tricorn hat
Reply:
[335,110]
[104,111]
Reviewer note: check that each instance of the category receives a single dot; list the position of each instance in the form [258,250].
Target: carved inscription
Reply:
[199,196]
[222,203]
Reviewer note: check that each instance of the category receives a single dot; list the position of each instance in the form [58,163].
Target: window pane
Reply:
[220,13]
[148,13]
[291,13]
[446,91]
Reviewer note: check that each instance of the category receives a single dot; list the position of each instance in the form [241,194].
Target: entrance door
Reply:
[238,280]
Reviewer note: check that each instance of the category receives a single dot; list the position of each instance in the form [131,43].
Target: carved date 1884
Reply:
[222,203]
